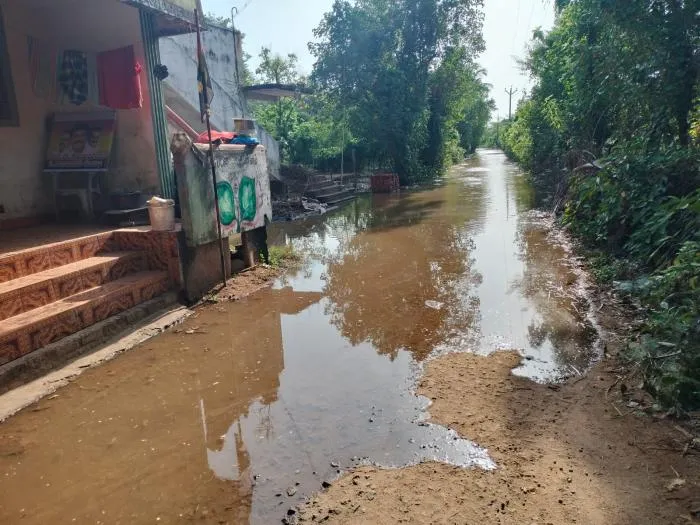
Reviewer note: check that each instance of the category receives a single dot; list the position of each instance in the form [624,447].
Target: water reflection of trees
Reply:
[416,249]
[252,377]
[549,282]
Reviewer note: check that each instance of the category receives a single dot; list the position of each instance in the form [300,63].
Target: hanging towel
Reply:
[59,95]
[73,76]
[42,67]
[93,79]
[120,79]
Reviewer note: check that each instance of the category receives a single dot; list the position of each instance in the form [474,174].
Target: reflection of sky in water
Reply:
[337,405]
[459,267]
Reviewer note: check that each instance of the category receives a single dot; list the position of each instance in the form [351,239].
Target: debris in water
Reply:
[435,305]
[675,484]
[291,491]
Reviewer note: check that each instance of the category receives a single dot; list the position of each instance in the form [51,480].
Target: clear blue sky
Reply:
[286,26]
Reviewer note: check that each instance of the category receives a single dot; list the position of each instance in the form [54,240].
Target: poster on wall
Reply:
[80,141]
[243,189]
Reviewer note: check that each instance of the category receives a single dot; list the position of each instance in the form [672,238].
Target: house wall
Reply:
[87,25]
[179,54]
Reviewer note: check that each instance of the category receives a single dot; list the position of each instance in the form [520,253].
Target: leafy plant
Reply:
[618,82]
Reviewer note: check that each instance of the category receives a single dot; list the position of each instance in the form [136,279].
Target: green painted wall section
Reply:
[196,190]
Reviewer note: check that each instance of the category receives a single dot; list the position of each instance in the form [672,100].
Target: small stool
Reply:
[84,195]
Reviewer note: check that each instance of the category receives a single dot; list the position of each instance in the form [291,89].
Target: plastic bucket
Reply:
[162,217]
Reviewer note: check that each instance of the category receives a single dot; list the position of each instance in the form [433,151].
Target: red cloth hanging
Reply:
[120,79]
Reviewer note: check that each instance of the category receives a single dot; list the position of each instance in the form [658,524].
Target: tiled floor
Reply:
[24,238]
[56,281]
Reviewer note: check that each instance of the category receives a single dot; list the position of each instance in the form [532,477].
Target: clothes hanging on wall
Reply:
[93,79]
[42,68]
[120,79]
[73,76]
[110,79]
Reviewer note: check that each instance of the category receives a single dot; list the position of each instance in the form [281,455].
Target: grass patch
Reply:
[284,256]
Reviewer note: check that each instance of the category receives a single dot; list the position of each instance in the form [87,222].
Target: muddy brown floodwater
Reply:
[246,409]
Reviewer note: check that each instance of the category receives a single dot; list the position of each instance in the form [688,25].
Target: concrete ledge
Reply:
[104,340]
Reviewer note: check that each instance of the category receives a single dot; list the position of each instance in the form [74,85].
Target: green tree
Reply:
[380,60]
[276,69]
[218,21]
[280,118]
[619,81]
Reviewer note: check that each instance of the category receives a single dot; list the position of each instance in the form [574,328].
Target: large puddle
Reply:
[249,407]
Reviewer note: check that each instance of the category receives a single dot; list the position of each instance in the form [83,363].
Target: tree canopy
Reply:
[395,86]
[403,73]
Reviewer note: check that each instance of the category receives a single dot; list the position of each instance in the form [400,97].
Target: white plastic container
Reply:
[161,213]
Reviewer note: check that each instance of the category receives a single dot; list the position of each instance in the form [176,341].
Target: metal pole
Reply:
[510,92]
[216,202]
[211,161]
[342,155]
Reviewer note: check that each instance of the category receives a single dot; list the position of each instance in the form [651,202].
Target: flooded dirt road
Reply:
[249,407]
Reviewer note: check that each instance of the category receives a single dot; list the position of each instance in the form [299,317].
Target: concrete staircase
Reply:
[327,191]
[53,291]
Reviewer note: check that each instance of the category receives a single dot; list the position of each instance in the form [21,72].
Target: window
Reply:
[8,102]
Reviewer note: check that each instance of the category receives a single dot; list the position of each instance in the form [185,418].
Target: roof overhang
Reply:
[174,17]
[274,92]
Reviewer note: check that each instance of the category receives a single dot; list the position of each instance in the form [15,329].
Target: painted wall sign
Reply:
[243,188]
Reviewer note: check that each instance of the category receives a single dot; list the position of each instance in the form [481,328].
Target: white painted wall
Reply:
[179,54]
[88,25]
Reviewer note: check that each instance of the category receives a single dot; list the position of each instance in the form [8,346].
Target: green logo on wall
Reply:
[247,199]
[227,204]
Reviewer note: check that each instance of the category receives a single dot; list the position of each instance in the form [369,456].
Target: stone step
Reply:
[45,256]
[338,201]
[331,192]
[320,179]
[319,188]
[32,330]
[39,289]
[126,324]
[335,196]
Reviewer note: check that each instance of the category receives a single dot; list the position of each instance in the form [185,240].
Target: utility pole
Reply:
[498,126]
[510,92]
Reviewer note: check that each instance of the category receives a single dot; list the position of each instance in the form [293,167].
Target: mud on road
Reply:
[564,455]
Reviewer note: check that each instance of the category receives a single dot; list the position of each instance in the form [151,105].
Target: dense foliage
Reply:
[402,76]
[395,86]
[619,82]
[494,134]
[309,130]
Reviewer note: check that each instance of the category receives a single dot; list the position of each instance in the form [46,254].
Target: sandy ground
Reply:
[572,453]
[246,283]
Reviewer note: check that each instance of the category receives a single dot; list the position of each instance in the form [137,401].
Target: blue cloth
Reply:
[245,140]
